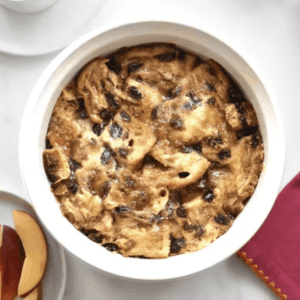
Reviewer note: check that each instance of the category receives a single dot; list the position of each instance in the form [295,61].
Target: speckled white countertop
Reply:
[264,32]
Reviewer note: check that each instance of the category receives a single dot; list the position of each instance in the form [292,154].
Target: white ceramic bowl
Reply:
[105,40]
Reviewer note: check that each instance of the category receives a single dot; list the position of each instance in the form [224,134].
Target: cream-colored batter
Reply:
[153,151]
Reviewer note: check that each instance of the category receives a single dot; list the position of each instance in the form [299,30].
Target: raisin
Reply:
[188,227]
[106,155]
[106,115]
[240,107]
[96,237]
[183,174]
[181,55]
[74,165]
[209,196]
[181,212]
[187,106]
[172,94]
[198,61]
[221,219]
[48,144]
[123,152]
[111,247]
[87,232]
[149,159]
[254,140]
[81,109]
[232,216]
[110,98]
[197,148]
[167,57]
[125,117]
[72,186]
[194,100]
[199,231]
[135,93]
[104,189]
[115,130]
[210,87]
[122,209]
[224,154]
[235,94]
[247,131]
[154,113]
[52,178]
[176,244]
[114,66]
[176,123]
[133,67]
[98,128]
[211,101]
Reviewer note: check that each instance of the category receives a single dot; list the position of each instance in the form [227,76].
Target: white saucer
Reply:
[54,281]
[49,30]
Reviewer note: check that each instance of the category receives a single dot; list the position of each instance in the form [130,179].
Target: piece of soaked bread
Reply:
[153,151]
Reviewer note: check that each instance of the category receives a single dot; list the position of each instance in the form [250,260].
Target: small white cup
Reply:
[27,6]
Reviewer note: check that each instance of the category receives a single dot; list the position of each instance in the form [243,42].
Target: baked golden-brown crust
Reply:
[153,151]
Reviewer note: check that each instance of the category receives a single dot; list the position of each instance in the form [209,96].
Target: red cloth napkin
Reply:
[274,252]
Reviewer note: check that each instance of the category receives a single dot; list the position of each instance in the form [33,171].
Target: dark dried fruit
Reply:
[176,123]
[211,101]
[235,93]
[194,100]
[197,148]
[198,229]
[72,186]
[188,149]
[154,113]
[135,93]
[187,106]
[96,237]
[221,219]
[133,67]
[98,128]
[110,98]
[74,165]
[172,94]
[183,174]
[176,244]
[52,178]
[224,154]
[247,131]
[87,232]
[123,152]
[115,130]
[209,196]
[210,87]
[122,209]
[125,117]
[81,109]
[198,61]
[48,144]
[106,115]
[149,159]
[254,140]
[106,155]
[232,216]
[181,55]
[114,66]
[104,189]
[181,212]
[167,57]
[111,247]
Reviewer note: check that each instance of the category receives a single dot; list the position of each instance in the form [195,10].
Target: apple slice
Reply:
[12,257]
[36,293]
[35,247]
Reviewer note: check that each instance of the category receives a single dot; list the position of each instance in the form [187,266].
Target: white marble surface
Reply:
[267,34]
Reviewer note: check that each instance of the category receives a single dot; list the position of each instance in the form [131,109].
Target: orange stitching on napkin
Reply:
[260,274]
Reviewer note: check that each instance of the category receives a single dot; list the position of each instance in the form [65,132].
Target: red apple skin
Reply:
[12,257]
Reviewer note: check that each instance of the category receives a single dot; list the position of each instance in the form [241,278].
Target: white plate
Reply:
[54,281]
[49,30]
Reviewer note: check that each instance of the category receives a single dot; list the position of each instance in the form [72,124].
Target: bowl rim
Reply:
[63,55]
